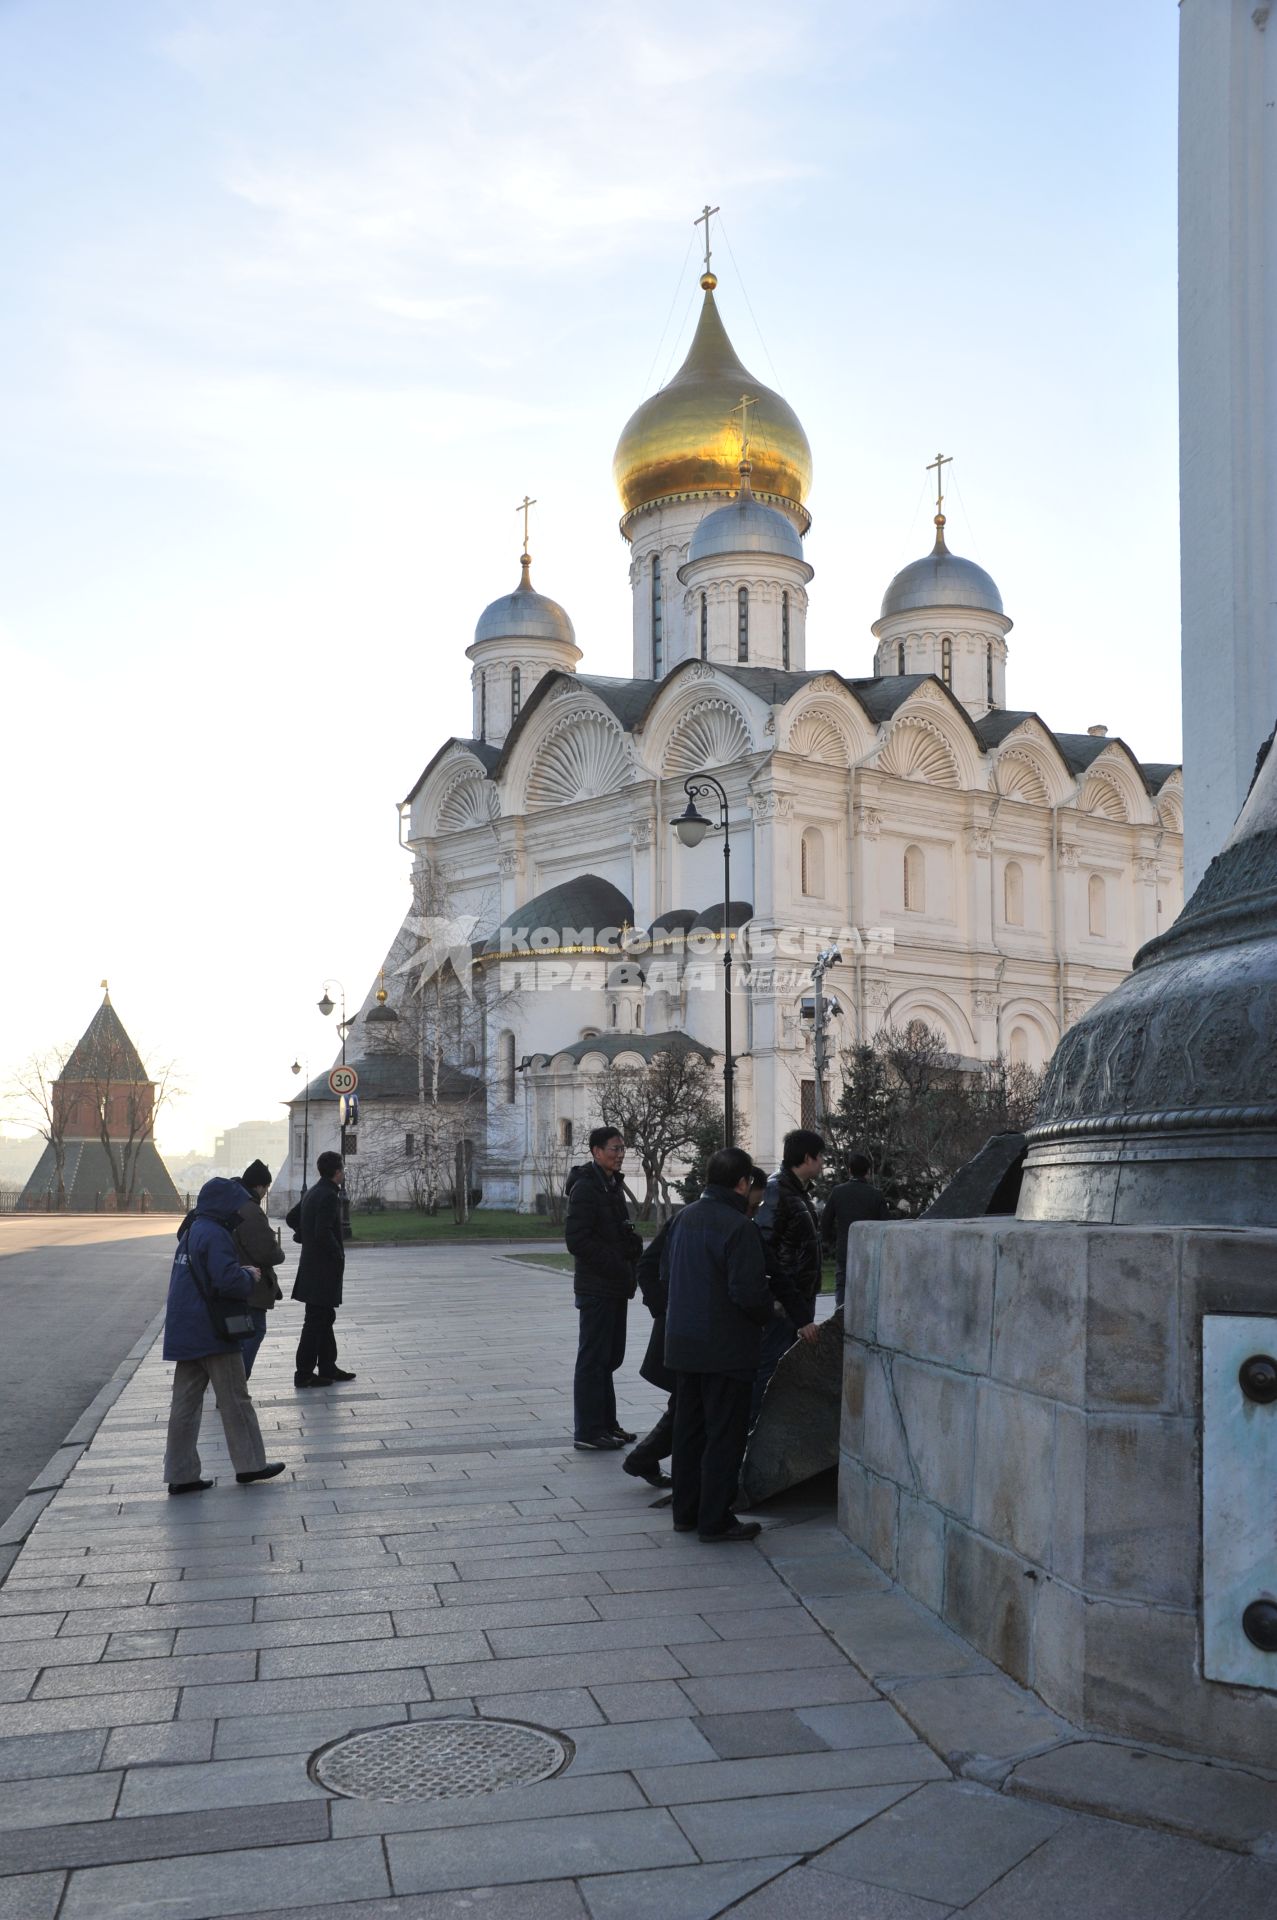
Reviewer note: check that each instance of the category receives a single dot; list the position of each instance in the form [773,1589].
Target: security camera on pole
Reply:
[831,957]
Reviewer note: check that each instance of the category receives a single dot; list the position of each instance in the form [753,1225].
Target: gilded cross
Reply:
[524,507]
[746,401]
[938,465]
[704,217]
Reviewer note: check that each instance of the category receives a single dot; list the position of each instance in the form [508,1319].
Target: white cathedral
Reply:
[976,871]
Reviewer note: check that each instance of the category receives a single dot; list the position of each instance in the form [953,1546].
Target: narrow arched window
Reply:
[784,631]
[483,704]
[613,1014]
[900,656]
[516,693]
[988,674]
[638,1016]
[704,626]
[915,880]
[946,660]
[1097,905]
[742,624]
[812,863]
[505,1066]
[658,637]
[1013,894]
[1019,1047]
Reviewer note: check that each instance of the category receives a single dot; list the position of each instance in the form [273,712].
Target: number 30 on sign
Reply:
[343,1080]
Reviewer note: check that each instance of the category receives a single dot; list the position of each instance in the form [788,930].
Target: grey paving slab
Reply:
[642,1700]
[16,1599]
[889,1636]
[52,1801]
[268,1879]
[807,1894]
[546,1900]
[48,1651]
[200,1613]
[29,1626]
[219,1783]
[789,1773]
[742,1692]
[944,1843]
[254,1734]
[535,1850]
[305,1696]
[60,1683]
[562,1708]
[563,1611]
[1219,1804]
[783,1652]
[52,1753]
[1247,1890]
[1106,1871]
[88,1710]
[156,1644]
[305,1632]
[467,1593]
[32,1896]
[552,1799]
[748,1736]
[981,1715]
[639,1743]
[657,1629]
[799,1822]
[758,1602]
[682,1571]
[676,1893]
[372,1656]
[873,1724]
[554,1670]
[157,1837]
[173,1744]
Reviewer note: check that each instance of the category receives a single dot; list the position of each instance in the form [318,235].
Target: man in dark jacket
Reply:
[256,1245]
[790,1227]
[208,1278]
[719,1305]
[319,1276]
[852,1200]
[606,1251]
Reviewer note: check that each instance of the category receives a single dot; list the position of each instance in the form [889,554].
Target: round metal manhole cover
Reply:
[440,1760]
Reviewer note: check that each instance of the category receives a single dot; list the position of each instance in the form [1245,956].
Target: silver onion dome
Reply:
[747,526]
[525,614]
[941,579]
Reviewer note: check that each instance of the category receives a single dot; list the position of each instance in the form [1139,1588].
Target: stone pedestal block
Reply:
[1021,1451]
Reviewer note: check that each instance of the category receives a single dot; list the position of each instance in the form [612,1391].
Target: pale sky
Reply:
[299,297]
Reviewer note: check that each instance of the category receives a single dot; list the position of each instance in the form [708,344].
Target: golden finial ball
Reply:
[709,281]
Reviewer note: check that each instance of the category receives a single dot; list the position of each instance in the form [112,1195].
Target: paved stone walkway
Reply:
[167,1668]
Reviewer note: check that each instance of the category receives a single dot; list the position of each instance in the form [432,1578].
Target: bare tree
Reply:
[40,1106]
[125,1110]
[663,1109]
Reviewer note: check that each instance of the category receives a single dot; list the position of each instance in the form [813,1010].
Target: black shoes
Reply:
[619,1433]
[301,1380]
[653,1475]
[262,1473]
[688,1526]
[189,1486]
[331,1379]
[738,1530]
[601,1443]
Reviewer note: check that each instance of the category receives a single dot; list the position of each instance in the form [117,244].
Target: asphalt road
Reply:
[75,1295]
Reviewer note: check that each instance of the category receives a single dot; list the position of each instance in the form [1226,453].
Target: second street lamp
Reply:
[325,1006]
[691,828]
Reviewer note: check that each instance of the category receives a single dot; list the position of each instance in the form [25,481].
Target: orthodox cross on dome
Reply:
[742,407]
[704,217]
[524,507]
[938,465]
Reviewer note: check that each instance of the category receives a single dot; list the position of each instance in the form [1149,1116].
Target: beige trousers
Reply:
[239,1416]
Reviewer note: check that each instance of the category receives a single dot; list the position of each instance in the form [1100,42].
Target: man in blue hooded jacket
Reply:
[206,1269]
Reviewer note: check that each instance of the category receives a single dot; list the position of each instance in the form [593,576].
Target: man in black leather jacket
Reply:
[790,1227]
[606,1248]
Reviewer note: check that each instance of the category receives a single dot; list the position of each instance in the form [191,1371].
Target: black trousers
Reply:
[317,1348]
[600,1351]
[711,1426]
[656,1445]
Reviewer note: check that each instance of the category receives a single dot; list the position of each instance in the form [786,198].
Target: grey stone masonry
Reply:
[1021,1452]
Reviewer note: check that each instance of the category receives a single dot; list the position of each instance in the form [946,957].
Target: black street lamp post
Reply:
[691,828]
[325,1007]
[298,1068]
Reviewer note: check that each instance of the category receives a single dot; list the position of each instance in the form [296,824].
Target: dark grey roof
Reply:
[105,1052]
[86,1179]
[1079,749]
[646,1045]
[710,919]
[1157,773]
[881,698]
[769,684]
[574,912]
[677,920]
[995,725]
[482,750]
[391,1076]
[629,700]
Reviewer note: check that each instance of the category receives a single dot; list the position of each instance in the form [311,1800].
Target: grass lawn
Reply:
[562,1263]
[380,1229]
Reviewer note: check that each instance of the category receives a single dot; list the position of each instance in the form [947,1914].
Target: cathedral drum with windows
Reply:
[980,872]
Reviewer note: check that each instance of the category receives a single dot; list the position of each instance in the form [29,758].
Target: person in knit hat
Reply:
[257,1246]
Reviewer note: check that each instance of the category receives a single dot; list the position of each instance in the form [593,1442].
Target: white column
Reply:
[1228,407]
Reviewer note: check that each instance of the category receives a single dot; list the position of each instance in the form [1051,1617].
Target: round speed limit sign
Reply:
[343,1080]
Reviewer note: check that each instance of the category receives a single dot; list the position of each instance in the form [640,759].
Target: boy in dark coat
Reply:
[606,1251]
[205,1265]
[853,1199]
[256,1245]
[319,1275]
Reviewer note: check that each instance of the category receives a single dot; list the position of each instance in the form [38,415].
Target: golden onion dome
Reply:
[685,441]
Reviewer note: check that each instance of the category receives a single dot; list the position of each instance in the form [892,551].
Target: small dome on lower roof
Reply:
[941,579]
[525,614]
[747,526]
